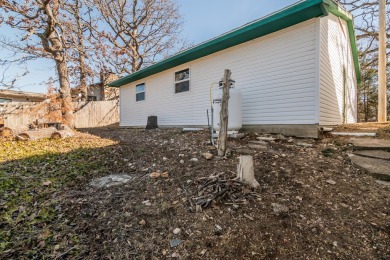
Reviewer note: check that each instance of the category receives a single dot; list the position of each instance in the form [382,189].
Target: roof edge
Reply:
[296,13]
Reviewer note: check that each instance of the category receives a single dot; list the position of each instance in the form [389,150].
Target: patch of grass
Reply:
[32,176]
[329,152]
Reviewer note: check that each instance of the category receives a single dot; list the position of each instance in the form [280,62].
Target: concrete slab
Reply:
[378,168]
[378,154]
[370,144]
[384,183]
[353,134]
[287,130]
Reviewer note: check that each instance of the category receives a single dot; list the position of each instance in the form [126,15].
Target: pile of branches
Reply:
[223,188]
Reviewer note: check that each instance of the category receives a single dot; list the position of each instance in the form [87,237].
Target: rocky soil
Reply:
[312,202]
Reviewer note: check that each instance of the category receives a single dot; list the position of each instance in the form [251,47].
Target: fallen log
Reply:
[62,134]
[36,134]
[6,132]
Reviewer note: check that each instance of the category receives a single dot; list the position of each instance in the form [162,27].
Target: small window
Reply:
[5,100]
[91,98]
[182,81]
[140,92]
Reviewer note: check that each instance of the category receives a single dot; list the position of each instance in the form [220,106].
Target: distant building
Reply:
[99,91]
[20,96]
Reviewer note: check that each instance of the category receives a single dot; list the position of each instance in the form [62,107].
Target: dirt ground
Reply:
[331,209]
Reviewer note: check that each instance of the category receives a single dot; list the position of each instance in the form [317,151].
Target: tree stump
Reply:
[6,132]
[246,172]
[152,122]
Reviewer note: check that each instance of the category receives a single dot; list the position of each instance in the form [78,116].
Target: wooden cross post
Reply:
[224,114]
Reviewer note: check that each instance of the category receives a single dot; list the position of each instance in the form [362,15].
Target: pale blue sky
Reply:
[204,19]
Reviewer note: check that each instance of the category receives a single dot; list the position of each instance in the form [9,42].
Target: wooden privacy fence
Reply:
[96,114]
[19,115]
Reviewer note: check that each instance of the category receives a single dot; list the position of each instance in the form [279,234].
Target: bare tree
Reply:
[138,32]
[42,35]
[366,16]
[366,13]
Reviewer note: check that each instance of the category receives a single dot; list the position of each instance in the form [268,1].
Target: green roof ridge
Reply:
[296,13]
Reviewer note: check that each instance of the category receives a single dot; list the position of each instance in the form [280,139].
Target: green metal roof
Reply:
[294,14]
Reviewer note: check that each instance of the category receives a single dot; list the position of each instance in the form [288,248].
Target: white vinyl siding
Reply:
[276,75]
[335,86]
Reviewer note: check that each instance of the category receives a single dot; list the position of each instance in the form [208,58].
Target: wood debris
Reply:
[223,187]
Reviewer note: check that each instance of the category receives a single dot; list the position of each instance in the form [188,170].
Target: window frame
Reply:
[6,100]
[144,91]
[179,81]
[91,98]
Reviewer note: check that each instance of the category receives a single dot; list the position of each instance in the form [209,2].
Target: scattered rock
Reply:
[165,159]
[258,142]
[181,161]
[175,242]
[147,203]
[218,230]
[177,231]
[264,138]
[111,180]
[46,183]
[181,155]
[242,151]
[306,145]
[249,217]
[155,175]
[175,255]
[279,209]
[280,137]
[207,156]
[332,182]
[142,222]
[203,252]
[258,147]
[194,160]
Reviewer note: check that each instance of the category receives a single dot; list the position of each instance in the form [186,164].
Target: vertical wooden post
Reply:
[224,114]
[382,87]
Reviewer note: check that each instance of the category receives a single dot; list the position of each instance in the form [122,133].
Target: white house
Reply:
[297,69]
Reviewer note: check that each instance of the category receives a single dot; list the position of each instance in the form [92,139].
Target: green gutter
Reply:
[335,9]
[290,16]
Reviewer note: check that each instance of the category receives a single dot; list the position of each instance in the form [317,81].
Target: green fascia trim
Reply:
[290,16]
[336,10]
